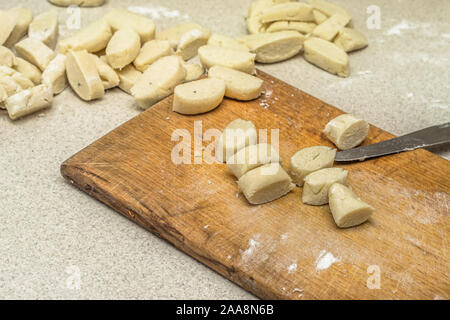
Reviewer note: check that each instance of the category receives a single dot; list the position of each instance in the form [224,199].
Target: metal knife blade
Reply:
[427,137]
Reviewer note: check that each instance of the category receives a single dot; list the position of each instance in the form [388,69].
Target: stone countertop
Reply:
[52,234]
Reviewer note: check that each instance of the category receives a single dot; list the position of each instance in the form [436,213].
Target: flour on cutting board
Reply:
[325,260]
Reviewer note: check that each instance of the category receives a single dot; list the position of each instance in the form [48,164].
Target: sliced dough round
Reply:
[29,101]
[193,71]
[23,18]
[190,42]
[8,22]
[239,85]
[198,96]
[174,34]
[54,75]
[346,131]
[79,3]
[296,11]
[315,189]
[128,77]
[327,55]
[7,57]
[109,77]
[235,59]
[303,27]
[35,52]
[28,70]
[123,48]
[219,40]
[83,75]
[237,134]
[44,27]
[121,19]
[150,52]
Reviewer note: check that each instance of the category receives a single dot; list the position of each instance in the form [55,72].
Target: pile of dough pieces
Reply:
[323,29]
[261,177]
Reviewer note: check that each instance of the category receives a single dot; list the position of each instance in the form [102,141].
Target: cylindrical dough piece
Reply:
[174,34]
[265,183]
[330,27]
[235,59]
[308,160]
[251,157]
[54,75]
[348,210]
[350,39]
[237,135]
[7,57]
[219,40]
[327,55]
[128,77]
[190,42]
[121,19]
[8,23]
[346,131]
[44,27]
[20,79]
[303,27]
[198,96]
[23,18]
[296,11]
[79,3]
[29,101]
[123,48]
[315,189]
[193,71]
[109,77]
[35,52]
[28,70]
[239,85]
[150,52]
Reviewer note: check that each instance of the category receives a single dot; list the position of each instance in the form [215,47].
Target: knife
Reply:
[431,136]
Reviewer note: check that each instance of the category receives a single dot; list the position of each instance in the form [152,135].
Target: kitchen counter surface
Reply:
[56,242]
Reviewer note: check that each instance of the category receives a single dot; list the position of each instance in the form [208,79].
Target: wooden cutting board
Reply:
[283,249]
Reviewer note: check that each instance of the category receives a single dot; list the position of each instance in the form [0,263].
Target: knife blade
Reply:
[427,137]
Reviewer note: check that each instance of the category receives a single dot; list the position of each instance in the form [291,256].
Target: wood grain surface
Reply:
[283,249]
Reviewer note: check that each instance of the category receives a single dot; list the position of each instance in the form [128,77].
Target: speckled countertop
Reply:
[58,243]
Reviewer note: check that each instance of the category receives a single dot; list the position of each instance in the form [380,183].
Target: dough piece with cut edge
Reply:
[251,157]
[35,52]
[319,16]
[327,55]
[190,42]
[235,59]
[121,19]
[350,40]
[109,77]
[123,48]
[237,134]
[198,96]
[193,71]
[28,70]
[291,11]
[19,78]
[174,34]
[29,101]
[315,189]
[265,183]
[54,76]
[346,131]
[347,208]
[239,85]
[219,40]
[79,3]
[327,8]
[128,77]
[22,17]
[44,27]
[150,52]
[308,160]
[330,27]
[8,22]
[7,57]
[83,75]
[302,27]
[11,83]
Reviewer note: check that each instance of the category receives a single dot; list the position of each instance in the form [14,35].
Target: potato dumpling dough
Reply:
[128,77]
[350,40]
[22,18]
[8,23]
[7,57]
[296,11]
[315,189]
[346,131]
[54,76]
[11,83]
[251,157]
[239,85]
[198,96]
[238,134]
[235,59]
[158,81]
[29,101]
[35,52]
[330,27]
[79,3]
[83,75]
[123,48]
[121,19]
[28,70]
[348,210]
[327,8]
[190,42]
[265,183]
[319,17]
[174,34]
[327,55]
[109,77]
[303,27]
[150,52]
[44,27]
[193,71]
[308,160]
[226,42]
[17,77]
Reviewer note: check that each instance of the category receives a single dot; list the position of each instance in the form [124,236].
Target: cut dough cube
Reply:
[303,27]
[8,22]
[265,183]
[198,96]
[275,46]
[123,48]
[346,131]
[92,38]
[238,134]
[219,40]
[44,27]
[308,160]
[251,157]
[28,70]
[193,71]
[29,101]
[83,75]
[350,40]
[327,55]
[54,76]
[35,52]
[330,27]
[79,3]
[23,18]
[174,34]
[296,11]
[7,57]
[121,19]
[158,81]
[190,42]
[319,17]
[234,59]
[128,77]
[327,8]
[239,85]
[152,51]
[347,208]
[109,77]
[315,189]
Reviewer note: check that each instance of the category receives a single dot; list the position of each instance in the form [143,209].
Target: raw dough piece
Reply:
[258,6]
[92,38]
[235,59]
[198,96]
[79,3]
[348,210]
[296,11]
[28,70]
[12,82]
[109,77]
[83,75]
[275,46]
[29,101]
[7,57]
[44,27]
[308,160]
[251,157]
[193,71]
[327,8]
[128,77]
[350,40]
[265,183]
[54,76]
[158,81]
[35,52]
[174,34]
[330,27]
[152,51]
[327,55]
[239,85]
[219,40]
[303,27]
[123,48]
[8,22]
[238,134]
[120,19]
[319,17]
[254,25]
[23,18]
[346,131]
[315,189]
[190,42]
